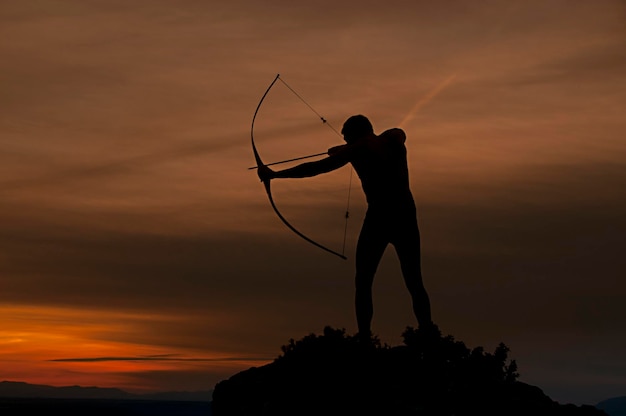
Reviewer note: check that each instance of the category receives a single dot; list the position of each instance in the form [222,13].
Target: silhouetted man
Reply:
[391,218]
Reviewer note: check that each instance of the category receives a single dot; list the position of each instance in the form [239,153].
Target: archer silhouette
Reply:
[380,162]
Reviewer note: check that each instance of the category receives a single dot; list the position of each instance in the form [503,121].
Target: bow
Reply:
[268,189]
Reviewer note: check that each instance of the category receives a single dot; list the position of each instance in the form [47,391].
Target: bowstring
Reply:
[324,121]
[345,229]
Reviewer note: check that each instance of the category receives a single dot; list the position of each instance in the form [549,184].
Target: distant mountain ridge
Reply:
[18,389]
[615,406]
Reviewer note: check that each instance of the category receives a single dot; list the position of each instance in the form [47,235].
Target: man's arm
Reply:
[338,157]
[308,169]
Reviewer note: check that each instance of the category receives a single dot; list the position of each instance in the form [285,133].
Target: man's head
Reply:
[356,127]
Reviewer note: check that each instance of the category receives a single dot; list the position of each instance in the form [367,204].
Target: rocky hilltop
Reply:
[338,374]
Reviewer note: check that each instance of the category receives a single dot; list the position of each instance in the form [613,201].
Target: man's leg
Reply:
[369,251]
[408,248]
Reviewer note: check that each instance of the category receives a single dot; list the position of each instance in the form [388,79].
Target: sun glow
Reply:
[56,346]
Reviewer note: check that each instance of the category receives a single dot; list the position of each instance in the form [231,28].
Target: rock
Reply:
[337,374]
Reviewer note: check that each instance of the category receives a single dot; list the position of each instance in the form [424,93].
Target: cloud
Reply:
[120,167]
[597,63]
[161,358]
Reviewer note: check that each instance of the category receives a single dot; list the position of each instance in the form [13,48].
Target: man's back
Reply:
[381,163]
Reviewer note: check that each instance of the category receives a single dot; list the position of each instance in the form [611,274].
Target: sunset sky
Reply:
[138,251]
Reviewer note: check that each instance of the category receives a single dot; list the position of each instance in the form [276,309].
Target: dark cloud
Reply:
[595,64]
[123,167]
[161,358]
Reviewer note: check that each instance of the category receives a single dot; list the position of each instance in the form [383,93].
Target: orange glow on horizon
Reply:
[59,347]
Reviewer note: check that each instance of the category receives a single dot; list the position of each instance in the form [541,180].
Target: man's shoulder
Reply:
[395,133]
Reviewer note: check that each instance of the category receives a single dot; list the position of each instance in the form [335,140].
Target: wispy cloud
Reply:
[161,358]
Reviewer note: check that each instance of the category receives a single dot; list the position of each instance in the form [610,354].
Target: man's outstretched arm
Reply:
[306,170]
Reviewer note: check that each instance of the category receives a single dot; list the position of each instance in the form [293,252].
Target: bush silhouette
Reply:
[335,373]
